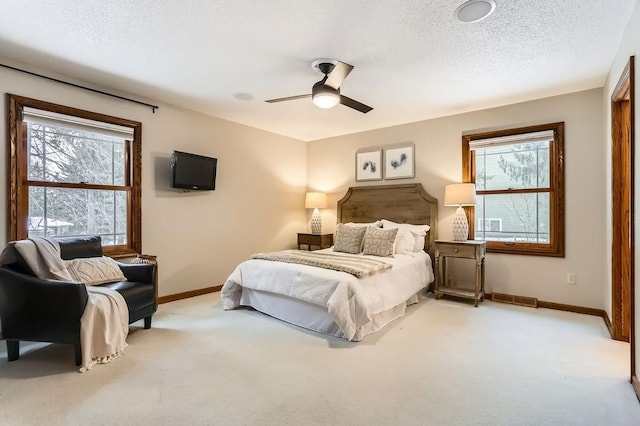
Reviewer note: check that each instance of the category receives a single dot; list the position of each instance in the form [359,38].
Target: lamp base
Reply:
[316,222]
[460,226]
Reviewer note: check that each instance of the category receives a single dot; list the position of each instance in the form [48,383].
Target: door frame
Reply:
[623,200]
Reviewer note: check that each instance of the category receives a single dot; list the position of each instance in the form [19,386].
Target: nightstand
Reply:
[462,250]
[316,240]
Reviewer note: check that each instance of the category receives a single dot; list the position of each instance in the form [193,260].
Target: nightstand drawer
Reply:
[316,240]
[457,250]
[308,239]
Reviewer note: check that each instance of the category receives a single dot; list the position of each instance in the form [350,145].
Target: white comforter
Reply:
[349,300]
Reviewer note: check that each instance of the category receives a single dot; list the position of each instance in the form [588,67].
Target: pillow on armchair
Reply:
[95,270]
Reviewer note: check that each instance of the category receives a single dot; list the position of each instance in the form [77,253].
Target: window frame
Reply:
[555,248]
[18,200]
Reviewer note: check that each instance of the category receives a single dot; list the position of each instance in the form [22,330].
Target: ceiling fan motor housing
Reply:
[322,89]
[325,96]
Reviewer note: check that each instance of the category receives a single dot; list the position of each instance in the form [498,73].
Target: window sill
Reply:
[524,249]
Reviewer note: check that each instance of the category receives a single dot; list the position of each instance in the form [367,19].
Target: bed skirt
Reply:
[314,317]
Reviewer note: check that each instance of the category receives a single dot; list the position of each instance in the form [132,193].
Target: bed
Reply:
[338,303]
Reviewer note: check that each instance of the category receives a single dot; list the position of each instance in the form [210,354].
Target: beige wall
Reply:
[629,46]
[438,162]
[199,237]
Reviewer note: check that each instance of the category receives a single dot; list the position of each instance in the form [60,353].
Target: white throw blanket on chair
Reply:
[104,324]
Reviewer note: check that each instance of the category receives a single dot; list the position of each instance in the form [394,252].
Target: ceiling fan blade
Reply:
[339,73]
[352,103]
[289,98]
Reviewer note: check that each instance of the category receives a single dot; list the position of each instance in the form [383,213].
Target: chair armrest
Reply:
[32,308]
[140,272]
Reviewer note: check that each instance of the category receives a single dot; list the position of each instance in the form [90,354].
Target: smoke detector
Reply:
[475,10]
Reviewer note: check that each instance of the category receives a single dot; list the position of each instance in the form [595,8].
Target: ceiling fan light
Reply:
[326,100]
[324,96]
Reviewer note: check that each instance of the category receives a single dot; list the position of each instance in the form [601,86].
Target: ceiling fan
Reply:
[326,92]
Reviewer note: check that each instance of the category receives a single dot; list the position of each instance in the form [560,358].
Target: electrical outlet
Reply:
[571,278]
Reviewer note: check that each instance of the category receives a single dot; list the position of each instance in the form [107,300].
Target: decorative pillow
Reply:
[349,238]
[419,232]
[379,242]
[95,270]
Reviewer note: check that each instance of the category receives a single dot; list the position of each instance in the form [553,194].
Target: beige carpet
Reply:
[445,363]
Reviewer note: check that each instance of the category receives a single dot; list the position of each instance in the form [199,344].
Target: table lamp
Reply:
[460,194]
[315,201]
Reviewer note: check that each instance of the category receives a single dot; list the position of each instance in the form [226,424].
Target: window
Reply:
[74,173]
[486,224]
[519,179]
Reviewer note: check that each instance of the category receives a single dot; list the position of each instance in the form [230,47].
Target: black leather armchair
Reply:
[33,309]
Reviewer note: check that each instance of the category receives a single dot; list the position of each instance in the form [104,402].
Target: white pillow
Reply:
[418,244]
[419,232]
[377,224]
[405,241]
[95,270]
[416,229]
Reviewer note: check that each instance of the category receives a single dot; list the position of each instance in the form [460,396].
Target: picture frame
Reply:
[368,164]
[399,161]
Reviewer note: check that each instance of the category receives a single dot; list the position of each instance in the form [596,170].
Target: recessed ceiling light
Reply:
[475,10]
[243,96]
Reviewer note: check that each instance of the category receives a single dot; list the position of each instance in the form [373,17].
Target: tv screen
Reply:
[193,171]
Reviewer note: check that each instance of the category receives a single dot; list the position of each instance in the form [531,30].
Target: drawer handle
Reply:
[455,250]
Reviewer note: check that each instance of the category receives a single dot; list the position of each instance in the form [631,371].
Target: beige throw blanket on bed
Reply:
[104,324]
[357,266]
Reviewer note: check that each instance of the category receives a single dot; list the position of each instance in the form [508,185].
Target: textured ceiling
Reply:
[413,60]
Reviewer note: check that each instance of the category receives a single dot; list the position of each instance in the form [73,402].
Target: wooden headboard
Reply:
[407,203]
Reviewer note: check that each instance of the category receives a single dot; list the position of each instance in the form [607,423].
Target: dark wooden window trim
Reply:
[556,200]
[18,202]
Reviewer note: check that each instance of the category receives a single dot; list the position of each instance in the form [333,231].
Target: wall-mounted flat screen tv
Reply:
[193,171]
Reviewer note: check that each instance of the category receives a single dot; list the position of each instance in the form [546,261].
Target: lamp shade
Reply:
[315,200]
[460,194]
